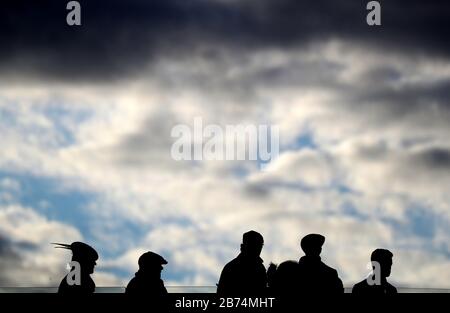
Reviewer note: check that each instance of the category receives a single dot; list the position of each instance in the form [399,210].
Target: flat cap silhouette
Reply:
[79,250]
[252,237]
[151,258]
[312,241]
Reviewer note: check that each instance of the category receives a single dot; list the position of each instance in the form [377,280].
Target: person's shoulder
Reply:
[231,265]
[63,285]
[391,288]
[132,281]
[329,269]
[63,281]
[131,285]
[234,262]
[300,264]
[362,285]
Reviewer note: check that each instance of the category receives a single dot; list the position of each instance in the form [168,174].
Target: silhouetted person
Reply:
[147,280]
[314,275]
[79,280]
[246,273]
[284,278]
[283,283]
[377,283]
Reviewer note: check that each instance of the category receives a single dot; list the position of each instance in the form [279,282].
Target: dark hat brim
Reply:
[312,240]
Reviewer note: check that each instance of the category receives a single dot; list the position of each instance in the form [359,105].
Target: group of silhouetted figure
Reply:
[246,274]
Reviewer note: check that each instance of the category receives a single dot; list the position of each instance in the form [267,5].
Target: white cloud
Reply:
[382,152]
[30,259]
[307,167]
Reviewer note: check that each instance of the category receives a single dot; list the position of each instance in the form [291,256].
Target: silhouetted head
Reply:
[287,270]
[285,278]
[252,243]
[82,253]
[312,244]
[151,264]
[384,258]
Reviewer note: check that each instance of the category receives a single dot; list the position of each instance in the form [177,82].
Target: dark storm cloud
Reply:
[117,37]
[430,99]
[5,246]
[437,158]
[426,162]
[8,257]
[413,95]
[8,247]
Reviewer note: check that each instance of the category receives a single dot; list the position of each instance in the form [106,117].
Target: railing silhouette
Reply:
[190,289]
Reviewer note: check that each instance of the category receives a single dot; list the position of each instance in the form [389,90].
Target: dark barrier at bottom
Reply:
[207,302]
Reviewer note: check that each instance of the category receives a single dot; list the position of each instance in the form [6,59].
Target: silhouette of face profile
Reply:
[85,255]
[312,244]
[252,244]
[384,258]
[151,263]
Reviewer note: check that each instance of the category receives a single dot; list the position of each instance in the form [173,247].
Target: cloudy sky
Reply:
[85,130]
